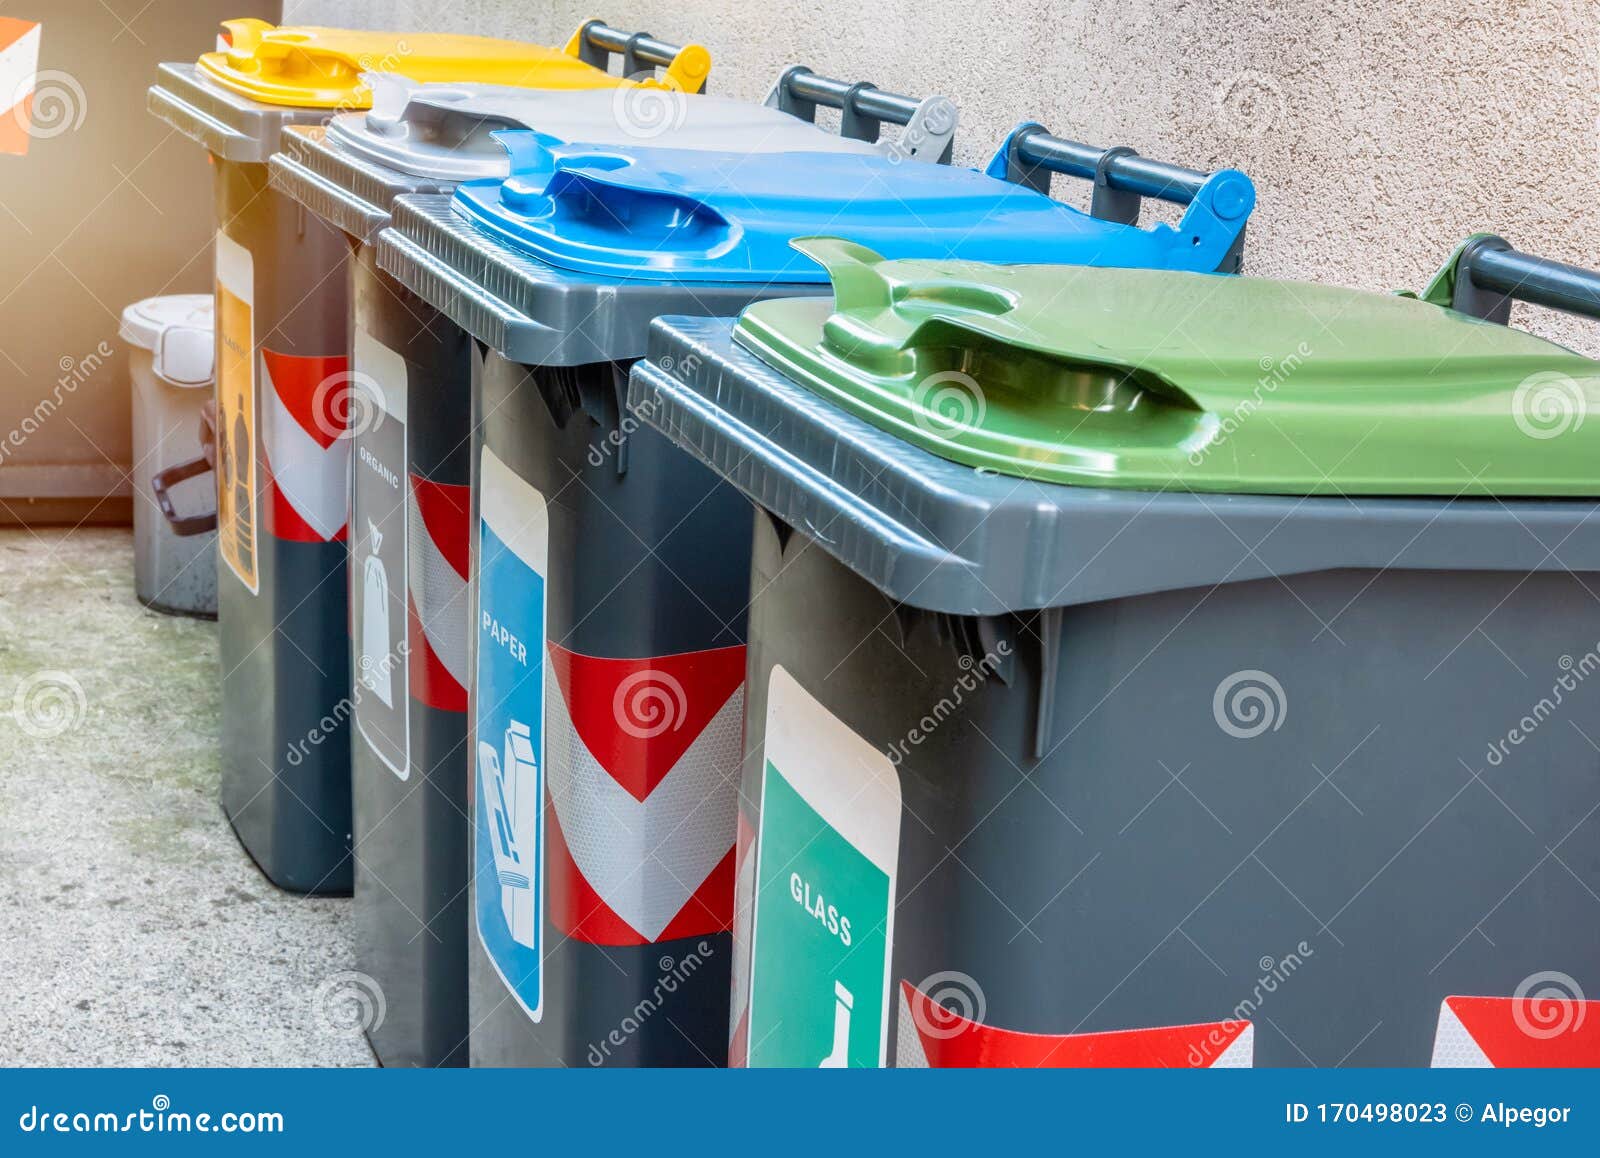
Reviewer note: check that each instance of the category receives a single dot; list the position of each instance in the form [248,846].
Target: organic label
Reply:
[508,699]
[236,413]
[826,847]
[378,551]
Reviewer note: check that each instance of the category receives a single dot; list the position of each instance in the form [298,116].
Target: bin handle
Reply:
[1485,275]
[162,481]
[1030,154]
[929,124]
[595,42]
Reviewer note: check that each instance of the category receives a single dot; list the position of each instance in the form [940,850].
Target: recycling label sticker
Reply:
[378,551]
[508,706]
[827,847]
[237,492]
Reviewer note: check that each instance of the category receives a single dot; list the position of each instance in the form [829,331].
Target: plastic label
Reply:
[827,850]
[379,552]
[237,491]
[508,715]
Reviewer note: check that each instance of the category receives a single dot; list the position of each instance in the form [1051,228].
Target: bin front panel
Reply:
[410,419]
[282,324]
[609,692]
[1301,865]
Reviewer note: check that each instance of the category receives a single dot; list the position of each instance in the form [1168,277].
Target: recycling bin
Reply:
[1202,691]
[609,585]
[410,498]
[170,361]
[284,395]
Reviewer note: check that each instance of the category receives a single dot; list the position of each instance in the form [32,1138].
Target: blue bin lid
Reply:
[668,215]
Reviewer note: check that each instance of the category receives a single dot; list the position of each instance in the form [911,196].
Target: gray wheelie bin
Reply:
[1150,669]
[608,568]
[410,500]
[284,391]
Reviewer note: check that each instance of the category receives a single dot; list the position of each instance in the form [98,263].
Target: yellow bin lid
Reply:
[320,68]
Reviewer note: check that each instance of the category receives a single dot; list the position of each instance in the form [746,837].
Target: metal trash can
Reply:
[284,393]
[610,590]
[411,371]
[1152,711]
[171,355]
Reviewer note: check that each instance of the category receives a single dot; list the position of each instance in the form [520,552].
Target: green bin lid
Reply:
[1153,379]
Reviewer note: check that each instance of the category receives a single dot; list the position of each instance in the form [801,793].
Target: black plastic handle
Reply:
[163,481]
[1490,275]
[863,107]
[1121,177]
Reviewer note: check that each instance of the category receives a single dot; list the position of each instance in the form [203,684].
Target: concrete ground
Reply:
[133,928]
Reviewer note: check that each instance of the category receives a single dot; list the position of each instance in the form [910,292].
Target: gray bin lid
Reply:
[349,191]
[946,537]
[231,125]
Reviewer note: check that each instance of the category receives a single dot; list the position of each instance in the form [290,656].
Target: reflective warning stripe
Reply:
[931,1035]
[642,760]
[438,534]
[304,446]
[1517,1032]
[19,70]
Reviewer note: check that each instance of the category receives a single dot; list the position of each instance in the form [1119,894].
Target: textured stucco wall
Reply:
[1378,133]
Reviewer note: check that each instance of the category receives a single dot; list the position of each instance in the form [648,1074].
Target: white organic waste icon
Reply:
[843,1003]
[375,662]
[511,791]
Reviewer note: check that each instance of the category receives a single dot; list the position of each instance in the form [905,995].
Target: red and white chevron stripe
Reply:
[642,762]
[1517,1032]
[19,70]
[305,448]
[440,517]
[931,1035]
